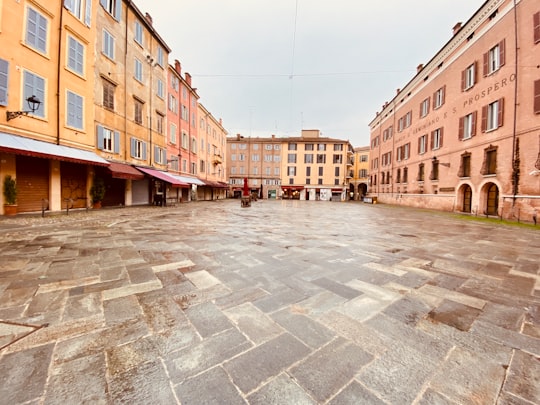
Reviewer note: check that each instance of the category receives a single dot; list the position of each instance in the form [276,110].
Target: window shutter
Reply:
[536,27]
[486,64]
[116,142]
[428,105]
[133,147]
[434,99]
[156,153]
[144,150]
[100,137]
[432,139]
[88,14]
[502,52]
[537,97]
[473,126]
[443,94]
[4,75]
[475,75]
[420,114]
[461,128]
[164,157]
[118,10]
[500,115]
[484,118]
[419,144]
[441,136]
[463,79]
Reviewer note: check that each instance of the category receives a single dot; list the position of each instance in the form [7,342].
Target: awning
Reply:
[292,188]
[123,171]
[215,184]
[30,147]
[188,180]
[163,176]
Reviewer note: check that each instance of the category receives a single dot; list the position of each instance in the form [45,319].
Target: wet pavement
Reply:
[285,302]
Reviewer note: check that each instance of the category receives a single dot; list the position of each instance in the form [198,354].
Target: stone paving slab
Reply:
[294,302]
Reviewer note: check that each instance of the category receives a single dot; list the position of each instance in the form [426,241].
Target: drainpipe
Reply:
[515,156]
[126,142]
[58,70]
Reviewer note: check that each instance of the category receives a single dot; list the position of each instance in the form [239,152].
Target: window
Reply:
[422,144]
[113,7]
[76,8]
[434,170]
[160,155]
[308,146]
[34,85]
[362,173]
[185,144]
[437,139]
[308,158]
[468,77]
[185,113]
[398,176]
[292,146]
[490,161]
[405,121]
[321,170]
[405,175]
[387,133]
[424,108]
[159,123]
[138,149]
[256,157]
[536,97]
[172,133]
[160,91]
[338,147]
[175,83]
[108,45]
[467,126]
[319,181]
[363,158]
[108,140]
[438,97]
[277,158]
[138,33]
[160,56]
[138,70]
[4,76]
[108,94]
[465,167]
[308,171]
[492,115]
[336,171]
[420,172]
[494,58]
[277,147]
[268,146]
[74,110]
[255,146]
[291,158]
[321,146]
[321,158]
[194,145]
[338,159]
[291,170]
[173,104]
[138,107]
[75,55]
[406,151]
[36,30]
[276,171]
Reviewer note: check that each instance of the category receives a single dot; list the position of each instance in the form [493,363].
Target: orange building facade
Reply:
[464,134]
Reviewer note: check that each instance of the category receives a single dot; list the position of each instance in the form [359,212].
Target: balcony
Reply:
[217,160]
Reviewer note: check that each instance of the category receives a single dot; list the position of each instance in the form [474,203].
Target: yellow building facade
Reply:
[46,92]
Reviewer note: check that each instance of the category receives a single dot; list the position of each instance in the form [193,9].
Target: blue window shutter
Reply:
[118,10]
[42,34]
[164,157]
[144,150]
[133,147]
[88,14]
[116,142]
[35,86]
[71,109]
[100,137]
[4,75]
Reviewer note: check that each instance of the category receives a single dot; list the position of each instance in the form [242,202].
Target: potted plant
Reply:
[10,195]
[97,192]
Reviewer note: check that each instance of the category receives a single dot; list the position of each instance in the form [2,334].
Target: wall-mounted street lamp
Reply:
[434,158]
[33,105]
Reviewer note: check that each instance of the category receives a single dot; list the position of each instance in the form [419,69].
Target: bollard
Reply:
[44,206]
[69,205]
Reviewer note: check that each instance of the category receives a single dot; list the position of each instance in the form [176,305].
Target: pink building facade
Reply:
[464,134]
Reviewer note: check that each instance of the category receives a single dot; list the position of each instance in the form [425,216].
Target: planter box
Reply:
[10,210]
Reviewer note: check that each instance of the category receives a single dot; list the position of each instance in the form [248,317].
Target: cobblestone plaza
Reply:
[284,302]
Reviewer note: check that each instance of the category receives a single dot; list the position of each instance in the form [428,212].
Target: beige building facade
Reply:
[360,180]
[463,135]
[308,167]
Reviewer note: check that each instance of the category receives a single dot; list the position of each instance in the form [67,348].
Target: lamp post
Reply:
[33,105]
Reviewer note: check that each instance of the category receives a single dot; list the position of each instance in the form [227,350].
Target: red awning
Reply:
[163,176]
[215,184]
[123,171]
[292,188]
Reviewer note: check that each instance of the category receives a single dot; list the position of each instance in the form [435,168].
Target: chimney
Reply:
[456,28]
[177,66]
[397,91]
[419,68]
[188,79]
[149,19]
[238,136]
[273,136]
[220,122]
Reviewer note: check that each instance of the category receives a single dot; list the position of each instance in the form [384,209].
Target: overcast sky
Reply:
[279,66]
